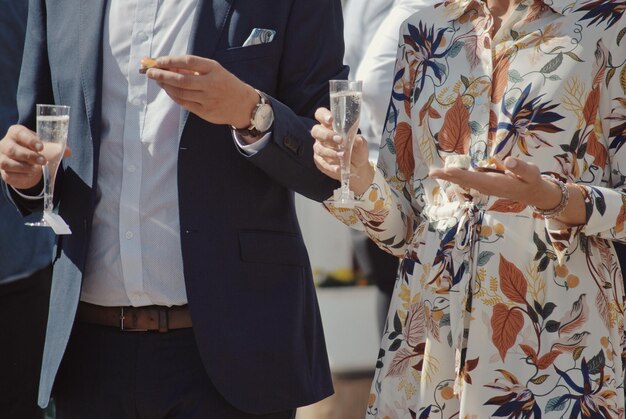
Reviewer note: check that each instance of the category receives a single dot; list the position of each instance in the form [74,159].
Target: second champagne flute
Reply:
[345,106]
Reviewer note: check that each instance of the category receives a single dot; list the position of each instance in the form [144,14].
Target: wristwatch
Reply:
[261,120]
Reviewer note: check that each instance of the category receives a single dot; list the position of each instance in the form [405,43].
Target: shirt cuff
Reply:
[563,236]
[370,203]
[255,147]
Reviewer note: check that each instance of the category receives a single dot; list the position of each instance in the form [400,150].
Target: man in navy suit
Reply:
[184,290]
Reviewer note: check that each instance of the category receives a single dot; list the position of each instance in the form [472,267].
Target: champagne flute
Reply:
[52,128]
[345,106]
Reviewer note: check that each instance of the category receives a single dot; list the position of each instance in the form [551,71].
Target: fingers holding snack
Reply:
[491,165]
[204,87]
[460,161]
[146,63]
[460,169]
[513,179]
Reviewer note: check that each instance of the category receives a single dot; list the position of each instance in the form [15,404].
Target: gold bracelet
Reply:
[556,211]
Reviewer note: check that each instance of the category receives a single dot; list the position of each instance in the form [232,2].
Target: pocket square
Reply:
[260,36]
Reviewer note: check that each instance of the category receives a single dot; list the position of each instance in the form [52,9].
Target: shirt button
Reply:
[129,235]
[132,168]
[142,36]
[136,102]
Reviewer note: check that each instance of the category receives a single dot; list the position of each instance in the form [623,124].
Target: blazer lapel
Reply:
[90,53]
[207,29]
[208,25]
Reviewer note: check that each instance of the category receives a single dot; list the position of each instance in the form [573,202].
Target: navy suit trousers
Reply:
[108,373]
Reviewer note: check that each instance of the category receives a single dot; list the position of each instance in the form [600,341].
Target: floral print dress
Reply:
[497,312]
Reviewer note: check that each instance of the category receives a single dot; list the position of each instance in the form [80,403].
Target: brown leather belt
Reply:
[136,319]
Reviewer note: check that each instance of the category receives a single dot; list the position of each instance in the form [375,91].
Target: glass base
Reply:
[54,221]
[345,203]
[340,200]
[42,223]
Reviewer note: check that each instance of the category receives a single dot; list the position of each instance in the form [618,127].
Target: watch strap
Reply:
[252,131]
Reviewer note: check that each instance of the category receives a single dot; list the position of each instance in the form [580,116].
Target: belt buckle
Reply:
[125,329]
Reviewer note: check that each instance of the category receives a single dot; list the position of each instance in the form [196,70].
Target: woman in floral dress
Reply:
[509,300]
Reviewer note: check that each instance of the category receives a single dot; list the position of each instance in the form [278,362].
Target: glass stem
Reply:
[345,171]
[47,190]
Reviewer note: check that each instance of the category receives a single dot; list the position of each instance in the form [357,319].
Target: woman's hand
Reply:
[326,157]
[521,182]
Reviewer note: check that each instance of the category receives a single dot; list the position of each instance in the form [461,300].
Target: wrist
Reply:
[554,198]
[362,178]
[260,120]
[248,104]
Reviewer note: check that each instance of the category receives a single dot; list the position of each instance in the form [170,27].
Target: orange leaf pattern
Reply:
[455,133]
[497,312]
[512,281]
[591,105]
[506,326]
[529,351]
[404,148]
[500,77]
[546,360]
[507,205]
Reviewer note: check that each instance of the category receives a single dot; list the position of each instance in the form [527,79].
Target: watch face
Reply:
[264,117]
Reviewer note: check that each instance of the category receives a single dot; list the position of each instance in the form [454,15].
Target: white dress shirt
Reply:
[135,254]
[361,20]
[376,70]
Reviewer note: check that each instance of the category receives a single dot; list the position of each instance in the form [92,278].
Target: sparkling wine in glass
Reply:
[52,127]
[345,106]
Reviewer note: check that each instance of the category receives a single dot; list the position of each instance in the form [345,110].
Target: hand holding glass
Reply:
[52,128]
[345,107]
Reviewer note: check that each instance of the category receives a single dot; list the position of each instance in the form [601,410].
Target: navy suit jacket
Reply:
[247,273]
[23,250]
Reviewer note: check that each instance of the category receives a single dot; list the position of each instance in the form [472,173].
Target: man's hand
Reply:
[20,158]
[20,161]
[205,88]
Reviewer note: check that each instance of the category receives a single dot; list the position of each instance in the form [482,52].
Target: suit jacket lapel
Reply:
[90,53]
[207,29]
[65,291]
[208,25]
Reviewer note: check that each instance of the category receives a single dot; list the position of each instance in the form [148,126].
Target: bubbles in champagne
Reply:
[53,128]
[346,109]
[52,131]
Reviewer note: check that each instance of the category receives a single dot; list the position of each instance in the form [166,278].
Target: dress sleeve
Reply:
[605,205]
